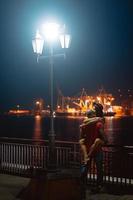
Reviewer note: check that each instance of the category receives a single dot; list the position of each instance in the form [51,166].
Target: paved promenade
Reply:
[10,187]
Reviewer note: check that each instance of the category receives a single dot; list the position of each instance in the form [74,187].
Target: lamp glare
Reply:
[50,31]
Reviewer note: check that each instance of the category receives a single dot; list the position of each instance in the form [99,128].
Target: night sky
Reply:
[101,52]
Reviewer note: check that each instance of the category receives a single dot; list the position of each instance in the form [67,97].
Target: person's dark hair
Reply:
[99,109]
[91,113]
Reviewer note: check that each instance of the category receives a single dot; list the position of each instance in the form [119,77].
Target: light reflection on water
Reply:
[113,129]
[37,128]
[119,130]
[109,128]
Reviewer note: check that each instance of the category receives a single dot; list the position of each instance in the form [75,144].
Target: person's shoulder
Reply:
[100,122]
[84,123]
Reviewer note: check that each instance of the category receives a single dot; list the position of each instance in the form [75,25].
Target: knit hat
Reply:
[99,109]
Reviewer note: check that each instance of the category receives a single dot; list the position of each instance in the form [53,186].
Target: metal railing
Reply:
[21,157]
[117,165]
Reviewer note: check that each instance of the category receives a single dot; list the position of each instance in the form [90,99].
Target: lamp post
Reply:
[49,33]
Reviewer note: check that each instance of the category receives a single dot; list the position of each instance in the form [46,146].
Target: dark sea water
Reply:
[119,130]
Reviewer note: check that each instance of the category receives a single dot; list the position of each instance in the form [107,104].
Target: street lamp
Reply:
[49,33]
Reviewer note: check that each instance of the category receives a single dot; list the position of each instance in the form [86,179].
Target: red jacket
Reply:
[91,130]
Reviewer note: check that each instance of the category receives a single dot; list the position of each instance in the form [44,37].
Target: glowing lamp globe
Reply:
[65,40]
[37,43]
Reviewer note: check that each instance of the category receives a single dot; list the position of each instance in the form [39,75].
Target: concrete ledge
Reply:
[10,186]
[60,185]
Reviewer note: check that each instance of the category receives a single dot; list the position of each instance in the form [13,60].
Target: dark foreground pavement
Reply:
[11,186]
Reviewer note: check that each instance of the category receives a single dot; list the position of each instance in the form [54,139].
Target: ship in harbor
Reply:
[76,105]
[79,104]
